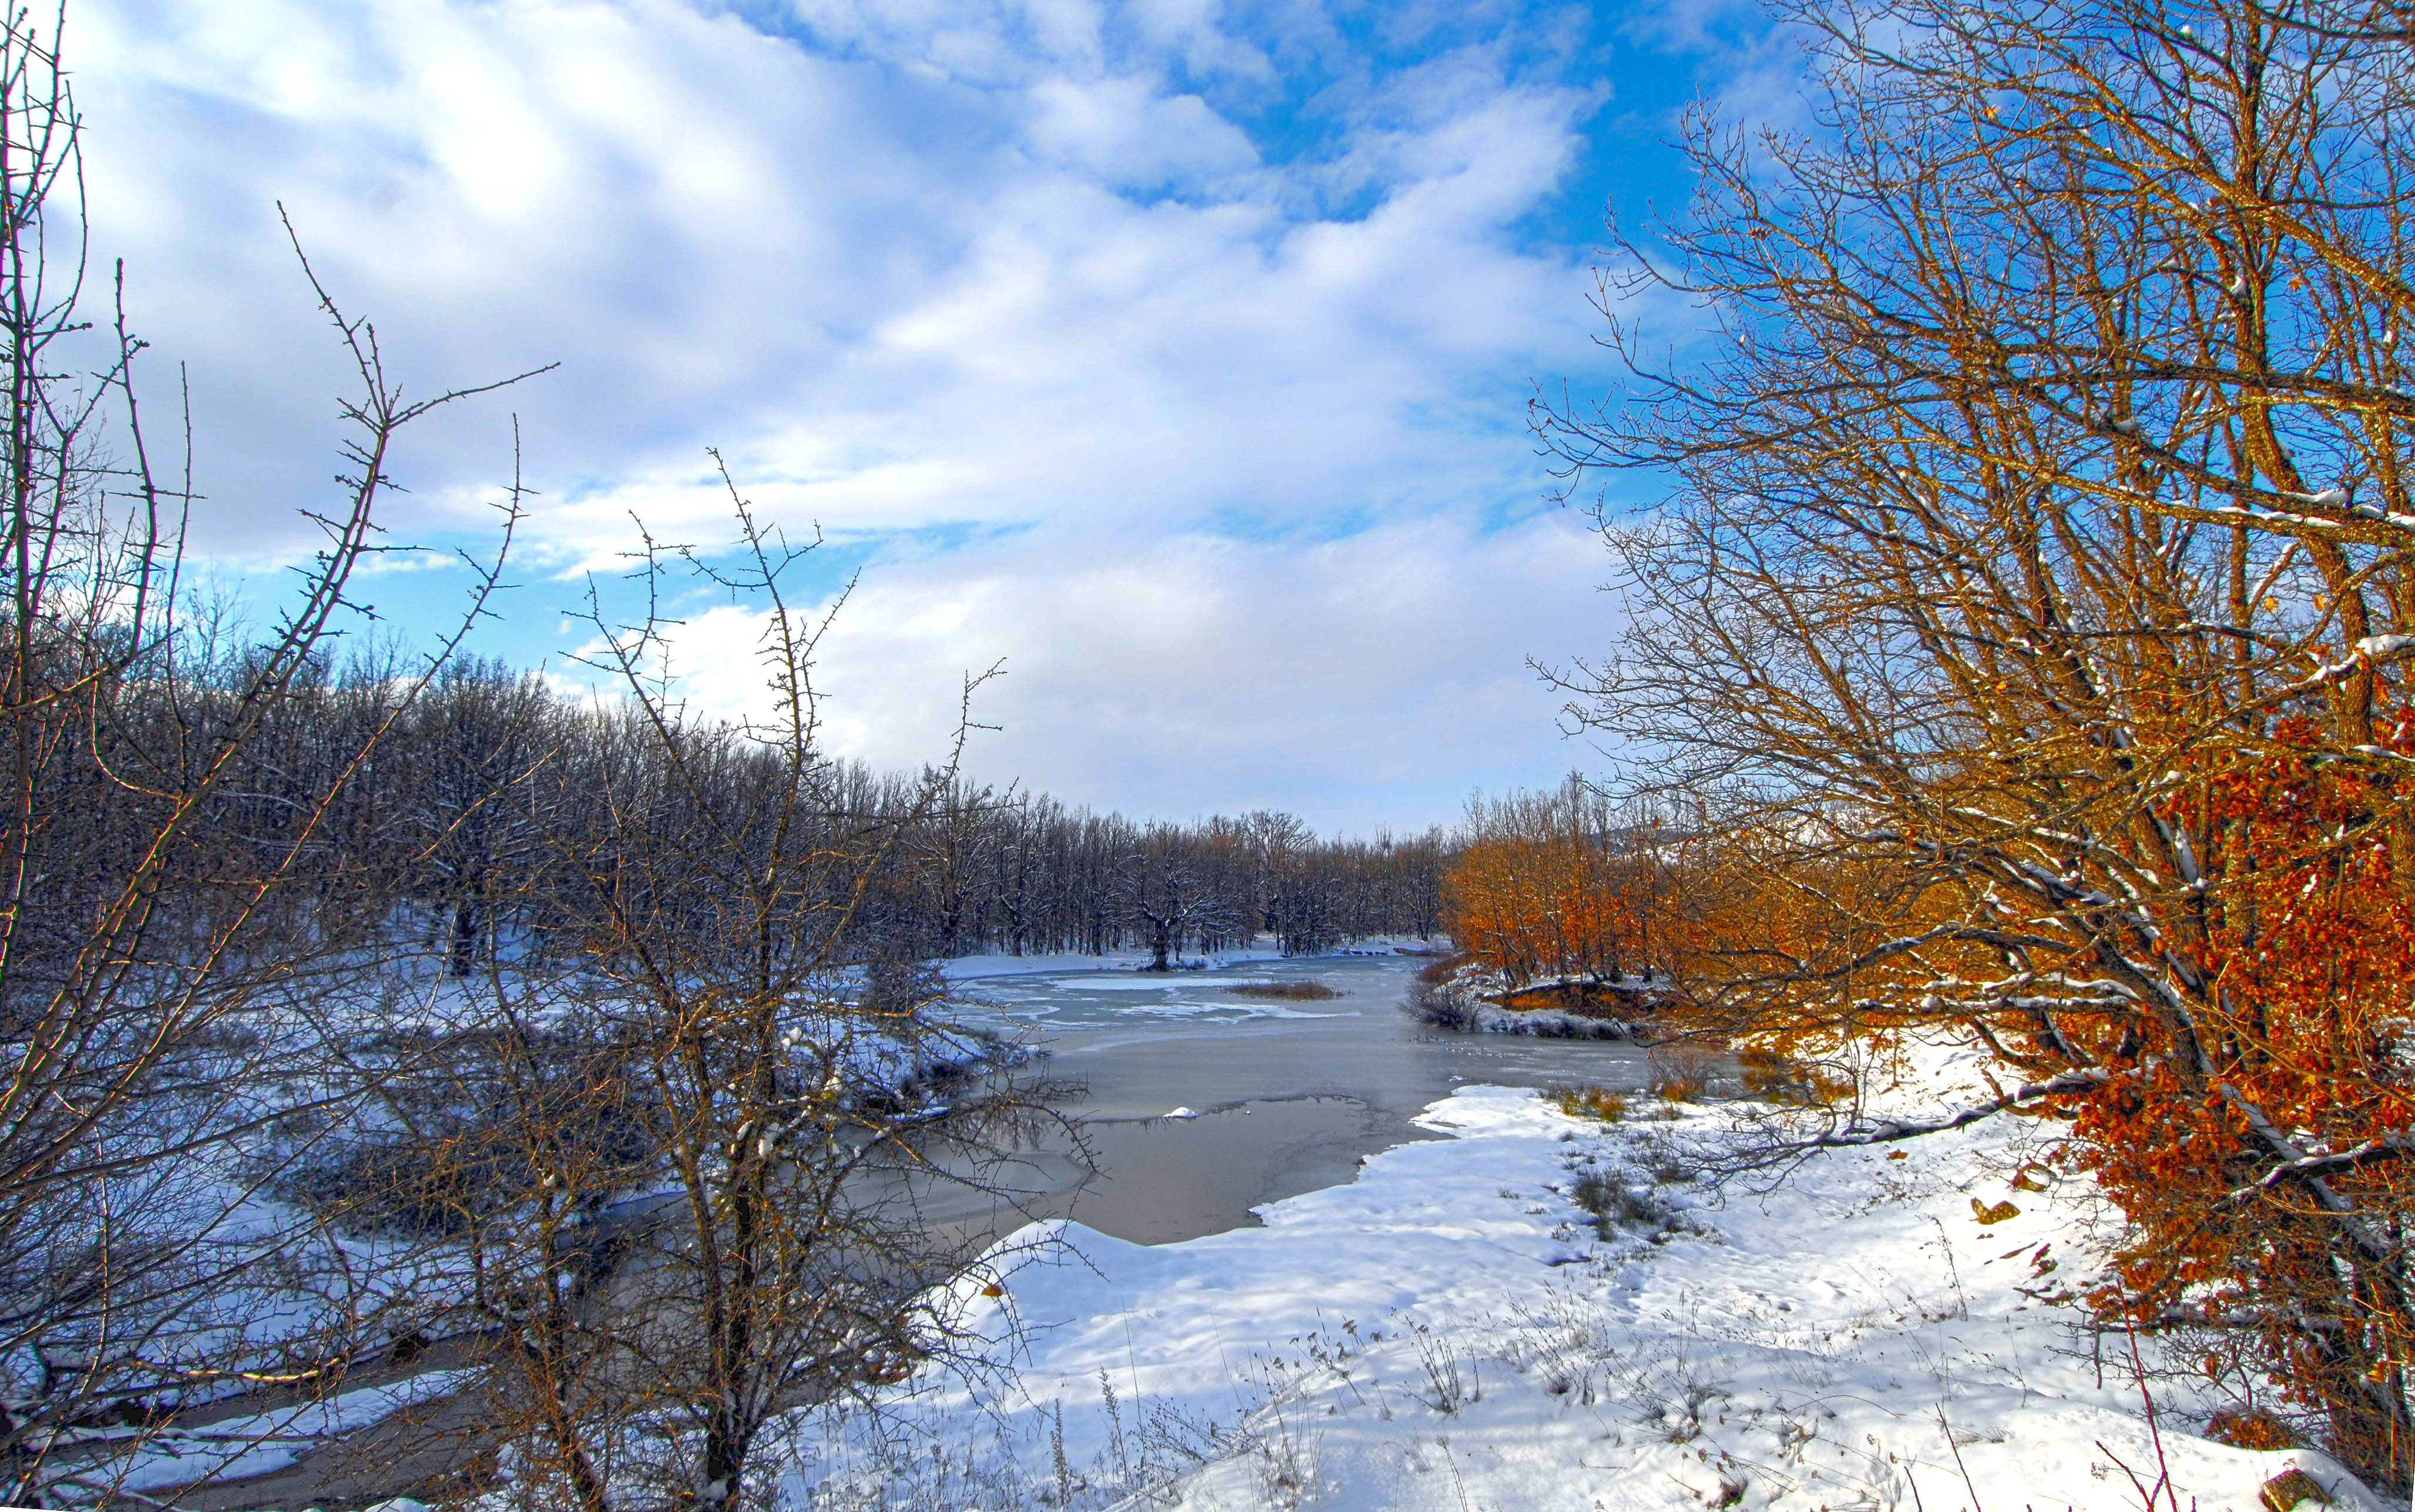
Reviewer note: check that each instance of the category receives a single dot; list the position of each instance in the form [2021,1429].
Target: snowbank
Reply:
[1457,1330]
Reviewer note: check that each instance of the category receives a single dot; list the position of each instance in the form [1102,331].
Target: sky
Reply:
[1172,356]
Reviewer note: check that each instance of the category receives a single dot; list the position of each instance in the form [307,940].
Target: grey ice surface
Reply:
[1290,1095]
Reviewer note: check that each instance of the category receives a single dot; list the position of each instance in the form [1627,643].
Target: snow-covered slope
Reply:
[1450,1332]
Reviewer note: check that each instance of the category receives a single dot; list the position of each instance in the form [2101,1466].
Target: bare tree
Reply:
[157,863]
[701,1171]
[1167,894]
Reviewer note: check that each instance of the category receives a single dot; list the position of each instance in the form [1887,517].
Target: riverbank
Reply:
[1460,995]
[1539,1312]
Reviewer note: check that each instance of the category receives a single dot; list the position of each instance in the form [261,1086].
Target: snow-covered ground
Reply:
[1451,1332]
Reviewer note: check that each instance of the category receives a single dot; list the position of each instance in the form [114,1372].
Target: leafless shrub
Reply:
[1447,1389]
[182,926]
[1435,1002]
[1684,1071]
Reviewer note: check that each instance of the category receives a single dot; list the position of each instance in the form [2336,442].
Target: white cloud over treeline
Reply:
[1172,352]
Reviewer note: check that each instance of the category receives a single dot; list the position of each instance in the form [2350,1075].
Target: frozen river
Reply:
[1288,1095]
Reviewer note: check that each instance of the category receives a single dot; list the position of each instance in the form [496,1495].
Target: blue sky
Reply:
[1174,353]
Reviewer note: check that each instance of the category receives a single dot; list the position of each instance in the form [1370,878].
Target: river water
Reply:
[1288,1095]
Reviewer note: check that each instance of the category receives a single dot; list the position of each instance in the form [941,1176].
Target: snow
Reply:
[1451,1332]
[1180,1113]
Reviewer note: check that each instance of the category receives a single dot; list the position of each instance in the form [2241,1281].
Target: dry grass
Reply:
[1595,1103]
[1777,1078]
[1577,1002]
[1290,991]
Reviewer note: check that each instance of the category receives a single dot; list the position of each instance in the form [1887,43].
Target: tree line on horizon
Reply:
[465,777]
[367,1001]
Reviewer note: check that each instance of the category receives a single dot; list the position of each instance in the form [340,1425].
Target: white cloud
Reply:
[1022,273]
[1360,682]
[1128,134]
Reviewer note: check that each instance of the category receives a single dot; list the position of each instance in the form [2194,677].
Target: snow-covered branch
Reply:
[1889,1130]
[2372,1152]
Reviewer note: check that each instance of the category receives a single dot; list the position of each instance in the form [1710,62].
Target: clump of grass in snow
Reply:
[1598,1103]
[1676,1088]
[1295,992]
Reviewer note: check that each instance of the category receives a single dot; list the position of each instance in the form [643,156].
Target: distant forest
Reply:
[453,818]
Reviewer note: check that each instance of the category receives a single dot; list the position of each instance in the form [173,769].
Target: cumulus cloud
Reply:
[1356,679]
[1173,351]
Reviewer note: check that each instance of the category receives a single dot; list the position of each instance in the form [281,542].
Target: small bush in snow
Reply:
[1777,1078]
[1297,991]
[1598,1103]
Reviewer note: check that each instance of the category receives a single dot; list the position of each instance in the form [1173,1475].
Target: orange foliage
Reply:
[2241,1027]
[2251,1035]
[1536,907]
[2296,1034]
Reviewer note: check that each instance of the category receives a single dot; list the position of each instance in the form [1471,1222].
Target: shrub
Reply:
[2251,1429]
[1595,1103]
[1431,1001]
[1777,1078]
[1681,1072]
[1611,1202]
[1295,992]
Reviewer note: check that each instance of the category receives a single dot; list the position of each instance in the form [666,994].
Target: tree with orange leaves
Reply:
[2030,620]
[1556,889]
[1535,911]
[2260,1152]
